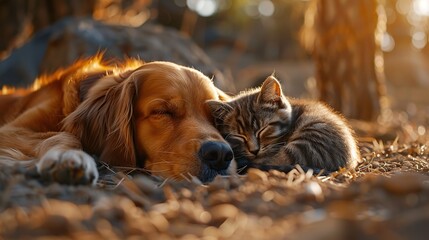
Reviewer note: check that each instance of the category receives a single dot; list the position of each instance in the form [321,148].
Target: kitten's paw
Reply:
[68,167]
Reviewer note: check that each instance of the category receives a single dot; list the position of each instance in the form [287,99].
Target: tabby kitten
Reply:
[267,130]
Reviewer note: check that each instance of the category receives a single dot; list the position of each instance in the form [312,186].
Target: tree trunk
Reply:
[343,36]
[19,19]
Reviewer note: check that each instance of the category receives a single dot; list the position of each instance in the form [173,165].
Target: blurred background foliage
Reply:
[365,58]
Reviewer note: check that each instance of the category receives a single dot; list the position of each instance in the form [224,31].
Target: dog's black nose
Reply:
[217,155]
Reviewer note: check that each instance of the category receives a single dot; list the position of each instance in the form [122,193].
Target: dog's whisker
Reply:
[158,171]
[183,175]
[171,177]
[166,163]
[128,169]
[161,161]
[193,140]
[168,152]
[172,165]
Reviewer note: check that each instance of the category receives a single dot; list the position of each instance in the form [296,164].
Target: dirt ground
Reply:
[385,197]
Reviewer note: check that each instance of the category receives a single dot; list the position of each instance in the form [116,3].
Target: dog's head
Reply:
[154,117]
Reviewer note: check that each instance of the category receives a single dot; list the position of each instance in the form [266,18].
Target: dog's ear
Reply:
[104,120]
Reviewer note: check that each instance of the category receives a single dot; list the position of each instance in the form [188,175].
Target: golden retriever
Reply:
[151,115]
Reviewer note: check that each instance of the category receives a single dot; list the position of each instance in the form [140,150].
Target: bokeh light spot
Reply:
[421,130]
[421,7]
[266,8]
[403,6]
[204,8]
[419,40]
[387,42]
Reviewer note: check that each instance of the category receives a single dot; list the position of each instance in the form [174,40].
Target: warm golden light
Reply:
[421,7]
[204,8]
[419,40]
[387,42]
[266,8]
[6,90]
[95,64]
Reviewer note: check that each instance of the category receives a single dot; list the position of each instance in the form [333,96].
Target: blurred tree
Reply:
[19,19]
[344,38]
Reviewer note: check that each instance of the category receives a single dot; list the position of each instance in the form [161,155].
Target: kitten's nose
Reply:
[254,151]
[217,155]
[253,145]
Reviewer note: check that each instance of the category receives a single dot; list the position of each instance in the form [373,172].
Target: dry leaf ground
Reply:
[385,197]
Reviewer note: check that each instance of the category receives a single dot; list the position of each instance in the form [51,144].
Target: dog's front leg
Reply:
[62,160]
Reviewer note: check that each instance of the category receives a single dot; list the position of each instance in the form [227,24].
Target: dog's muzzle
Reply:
[217,155]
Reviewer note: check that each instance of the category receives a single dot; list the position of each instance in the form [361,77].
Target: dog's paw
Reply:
[68,167]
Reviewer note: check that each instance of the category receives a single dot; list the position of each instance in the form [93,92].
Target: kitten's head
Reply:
[254,122]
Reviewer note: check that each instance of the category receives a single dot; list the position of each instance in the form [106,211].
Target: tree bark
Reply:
[19,19]
[343,36]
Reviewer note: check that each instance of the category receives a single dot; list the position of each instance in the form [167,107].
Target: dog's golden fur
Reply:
[150,115]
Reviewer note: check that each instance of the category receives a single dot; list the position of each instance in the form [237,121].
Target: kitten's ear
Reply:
[218,108]
[271,91]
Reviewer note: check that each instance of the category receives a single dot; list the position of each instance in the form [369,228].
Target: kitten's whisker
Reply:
[239,170]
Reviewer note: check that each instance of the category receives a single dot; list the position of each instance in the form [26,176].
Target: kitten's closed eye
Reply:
[273,130]
[236,137]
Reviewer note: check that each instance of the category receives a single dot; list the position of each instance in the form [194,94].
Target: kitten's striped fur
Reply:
[264,128]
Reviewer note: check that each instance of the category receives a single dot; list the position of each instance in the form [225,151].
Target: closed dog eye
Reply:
[161,114]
